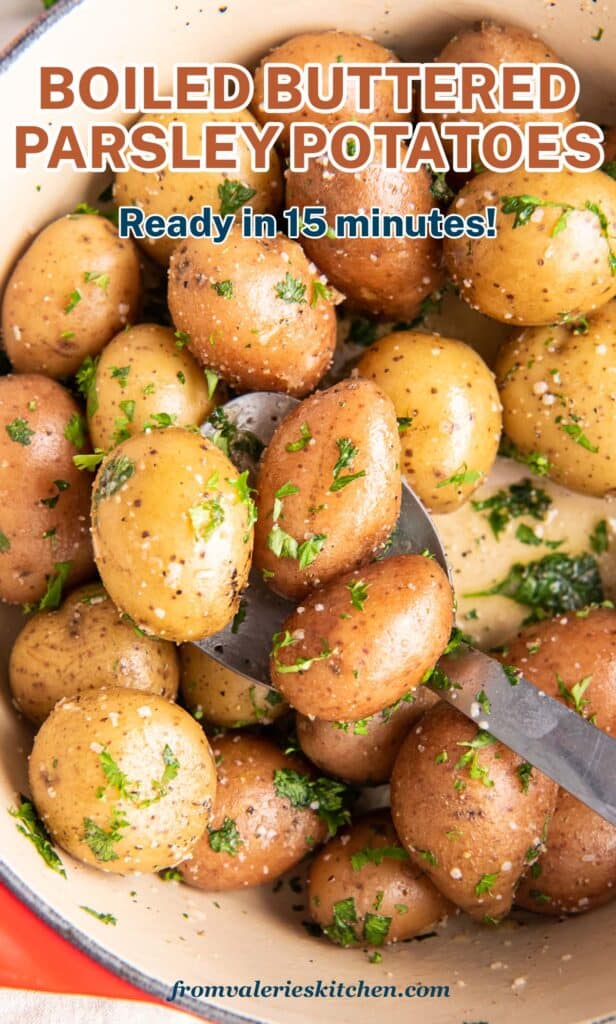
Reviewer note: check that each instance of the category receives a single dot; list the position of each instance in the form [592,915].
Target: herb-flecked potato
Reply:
[172,531]
[364,890]
[362,752]
[75,286]
[553,258]
[44,499]
[83,645]
[255,310]
[124,781]
[387,277]
[469,811]
[145,379]
[487,43]
[329,487]
[325,49]
[558,399]
[217,695]
[573,659]
[265,818]
[358,645]
[448,410]
[167,192]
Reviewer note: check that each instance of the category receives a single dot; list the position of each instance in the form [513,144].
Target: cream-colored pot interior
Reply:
[542,972]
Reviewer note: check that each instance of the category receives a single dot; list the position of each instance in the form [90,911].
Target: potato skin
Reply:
[161,378]
[365,757]
[492,44]
[28,471]
[577,872]
[356,519]
[255,339]
[450,396]
[377,654]
[39,334]
[82,646]
[491,829]
[551,378]
[145,735]
[387,277]
[528,275]
[167,192]
[274,835]
[180,584]
[221,697]
[326,48]
[391,885]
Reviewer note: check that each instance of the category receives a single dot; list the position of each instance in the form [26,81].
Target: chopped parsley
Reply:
[575,432]
[524,206]
[98,278]
[483,701]
[212,382]
[341,930]
[429,857]
[225,839]
[230,439]
[102,841]
[574,695]
[103,918]
[536,462]
[89,462]
[171,875]
[31,826]
[75,430]
[233,194]
[347,453]
[73,299]
[182,339]
[440,189]
[485,883]
[5,544]
[470,759]
[359,594]
[462,477]
[304,438]
[320,291]
[551,585]
[291,289]
[53,595]
[223,288]
[376,855]
[19,431]
[599,537]
[520,499]
[238,618]
[404,422]
[280,640]
[61,485]
[113,476]
[328,797]
[376,928]
[206,516]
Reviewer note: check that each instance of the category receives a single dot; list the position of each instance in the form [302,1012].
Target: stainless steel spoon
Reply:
[553,738]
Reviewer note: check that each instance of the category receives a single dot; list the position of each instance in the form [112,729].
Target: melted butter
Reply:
[478,560]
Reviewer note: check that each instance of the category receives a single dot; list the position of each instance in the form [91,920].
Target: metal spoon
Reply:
[553,738]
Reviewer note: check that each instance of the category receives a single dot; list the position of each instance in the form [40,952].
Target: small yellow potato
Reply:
[219,696]
[364,890]
[85,644]
[144,378]
[558,400]
[167,192]
[172,532]
[448,410]
[123,781]
[75,286]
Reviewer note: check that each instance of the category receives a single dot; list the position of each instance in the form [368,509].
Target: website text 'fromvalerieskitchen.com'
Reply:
[318,989]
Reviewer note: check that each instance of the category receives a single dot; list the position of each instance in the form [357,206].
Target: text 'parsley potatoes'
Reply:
[172,530]
[124,781]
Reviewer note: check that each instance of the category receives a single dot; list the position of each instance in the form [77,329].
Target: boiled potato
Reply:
[468,810]
[124,781]
[449,413]
[257,831]
[363,890]
[329,487]
[172,532]
[144,378]
[362,752]
[326,49]
[553,258]
[72,290]
[221,697]
[83,645]
[573,659]
[44,499]
[358,645]
[255,310]
[558,399]
[167,192]
[387,277]
[487,43]
[609,146]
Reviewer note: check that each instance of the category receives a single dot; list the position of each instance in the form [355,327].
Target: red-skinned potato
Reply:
[573,659]
[330,482]
[44,499]
[358,645]
[365,868]
[256,833]
[326,49]
[468,810]
[386,277]
[255,310]
[362,752]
